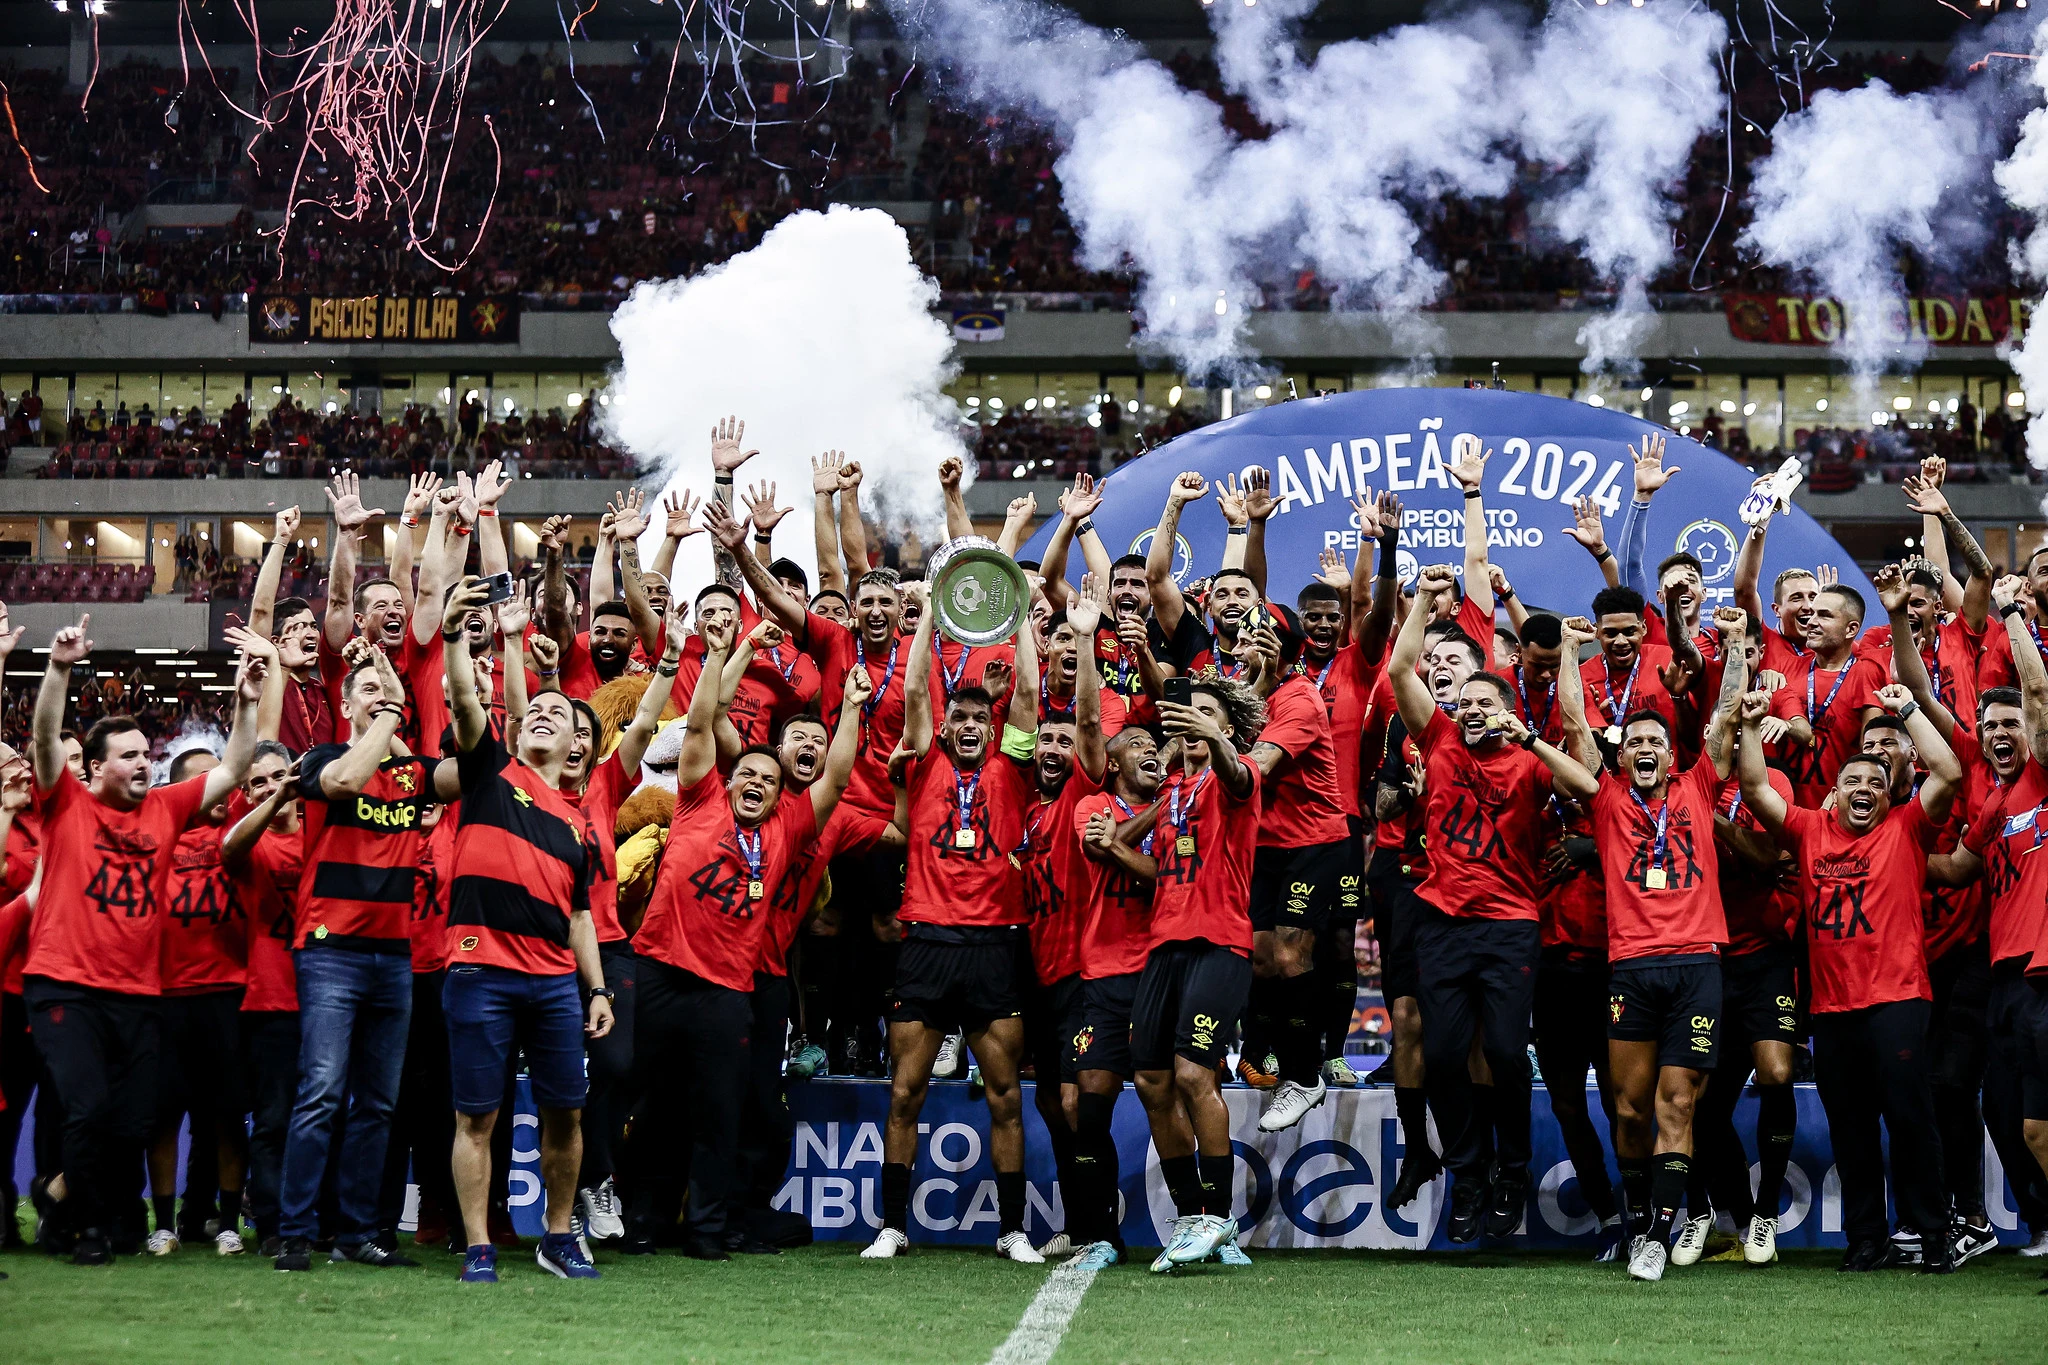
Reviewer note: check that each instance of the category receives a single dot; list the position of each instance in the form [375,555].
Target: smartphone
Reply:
[500,586]
[1259,618]
[1180,691]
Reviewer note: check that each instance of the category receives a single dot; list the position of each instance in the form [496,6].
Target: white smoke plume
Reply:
[1854,180]
[193,734]
[820,338]
[1618,96]
[2023,177]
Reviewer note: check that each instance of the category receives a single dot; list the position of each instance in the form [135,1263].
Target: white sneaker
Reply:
[1015,1246]
[1164,1261]
[228,1242]
[1692,1240]
[1646,1260]
[1760,1241]
[888,1243]
[162,1242]
[947,1065]
[1338,1072]
[1291,1103]
[599,1208]
[1059,1244]
[1207,1233]
[2037,1247]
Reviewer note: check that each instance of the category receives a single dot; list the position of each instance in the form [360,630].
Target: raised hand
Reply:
[1827,575]
[545,653]
[761,508]
[1732,623]
[1890,583]
[286,528]
[1085,609]
[718,633]
[345,499]
[10,636]
[1509,726]
[467,506]
[1894,697]
[1755,707]
[1186,487]
[554,533]
[1258,494]
[491,483]
[724,527]
[1468,460]
[1586,527]
[631,521]
[249,678]
[1924,497]
[419,494]
[1675,676]
[849,475]
[69,646]
[1131,632]
[515,614]
[1082,499]
[1435,581]
[1022,509]
[1230,500]
[765,635]
[2006,591]
[680,509]
[951,471]
[727,438]
[249,642]
[825,473]
[1366,513]
[1498,577]
[1651,474]
[859,687]
[1575,631]
[997,679]
[1934,470]
[1333,569]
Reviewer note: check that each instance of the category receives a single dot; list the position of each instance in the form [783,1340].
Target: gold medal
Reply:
[1654,879]
[963,838]
[756,890]
[1185,846]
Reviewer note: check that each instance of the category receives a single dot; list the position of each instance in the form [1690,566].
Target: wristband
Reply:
[462,530]
[2012,609]
[487,511]
[546,672]
[1240,530]
[1604,555]
[409,519]
[1084,526]
[599,993]
[1528,742]
[450,636]
[1906,711]
[1472,493]
[721,478]
[1507,594]
[763,538]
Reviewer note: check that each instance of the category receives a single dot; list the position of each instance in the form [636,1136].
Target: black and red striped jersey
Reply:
[362,854]
[522,865]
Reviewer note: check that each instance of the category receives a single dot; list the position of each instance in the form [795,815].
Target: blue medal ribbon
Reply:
[1145,844]
[1658,848]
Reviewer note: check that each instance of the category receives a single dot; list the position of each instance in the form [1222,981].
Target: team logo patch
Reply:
[1614,1008]
[522,796]
[406,781]
[468,944]
[1084,1040]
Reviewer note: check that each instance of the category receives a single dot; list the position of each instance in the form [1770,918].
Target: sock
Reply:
[1298,1042]
[1777,1115]
[1482,1116]
[1260,1013]
[1412,1108]
[1216,1172]
[1635,1192]
[1697,1201]
[1062,1138]
[166,1208]
[1337,975]
[1183,1182]
[896,1196]
[1010,1200]
[1092,1213]
[231,1210]
[1667,1188]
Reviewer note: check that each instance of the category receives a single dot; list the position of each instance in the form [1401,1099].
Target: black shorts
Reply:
[1296,888]
[1352,905]
[1103,1041]
[1568,1016]
[197,1074]
[953,977]
[1052,1015]
[1189,999]
[1760,998]
[1674,1002]
[1395,925]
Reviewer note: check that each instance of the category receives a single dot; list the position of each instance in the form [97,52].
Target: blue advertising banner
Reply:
[1547,452]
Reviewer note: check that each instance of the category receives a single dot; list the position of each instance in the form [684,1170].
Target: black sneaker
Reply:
[272,1247]
[296,1255]
[703,1249]
[1869,1253]
[90,1249]
[1967,1241]
[1468,1206]
[1504,1215]
[1418,1168]
[1937,1256]
[369,1253]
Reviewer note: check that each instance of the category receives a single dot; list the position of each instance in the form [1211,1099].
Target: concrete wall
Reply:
[157,624]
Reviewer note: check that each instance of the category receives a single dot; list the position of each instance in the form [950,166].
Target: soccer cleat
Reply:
[162,1242]
[1646,1260]
[947,1066]
[806,1060]
[888,1243]
[1760,1241]
[480,1265]
[561,1253]
[1418,1169]
[370,1254]
[1868,1253]
[1015,1246]
[1164,1261]
[1610,1240]
[1338,1072]
[1059,1244]
[1468,1207]
[1291,1103]
[1095,1256]
[1510,1194]
[1230,1253]
[599,1208]
[1205,1235]
[1967,1241]
[1692,1240]
[228,1242]
[2038,1246]
[1265,1077]
[296,1255]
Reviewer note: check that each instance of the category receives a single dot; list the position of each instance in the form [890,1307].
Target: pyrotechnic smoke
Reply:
[2023,176]
[193,734]
[1854,180]
[830,303]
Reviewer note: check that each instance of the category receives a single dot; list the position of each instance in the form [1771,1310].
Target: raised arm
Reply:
[730,532]
[824,522]
[1411,693]
[951,472]
[700,746]
[514,615]
[639,731]
[225,776]
[1757,792]
[1504,593]
[1575,632]
[1258,507]
[449,527]
[554,621]
[1650,475]
[1077,506]
[2032,675]
[917,682]
[628,526]
[728,452]
[1167,604]
[1944,772]
[1468,470]
[1927,499]
[349,774]
[491,484]
[465,709]
[241,838]
[1907,665]
[345,501]
[1749,567]
[1733,625]
[412,532]
[270,706]
[1017,523]
[1193,726]
[766,516]
[603,573]
[1688,663]
[1568,777]
[1591,533]
[68,647]
[679,513]
[845,746]
[1084,614]
[1372,607]
[263,600]
[853,534]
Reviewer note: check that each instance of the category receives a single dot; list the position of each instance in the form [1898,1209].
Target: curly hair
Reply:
[1246,709]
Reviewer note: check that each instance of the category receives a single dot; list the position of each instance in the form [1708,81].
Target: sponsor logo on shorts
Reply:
[1785,1002]
[1703,1033]
[468,944]
[1205,1030]
[1347,892]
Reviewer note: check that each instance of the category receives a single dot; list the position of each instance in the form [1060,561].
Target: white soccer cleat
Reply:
[1230,1253]
[1692,1240]
[1338,1072]
[888,1244]
[162,1242]
[1646,1260]
[1204,1236]
[228,1242]
[1015,1246]
[946,1066]
[1291,1103]
[1059,1244]
[599,1209]
[1164,1261]
[1760,1241]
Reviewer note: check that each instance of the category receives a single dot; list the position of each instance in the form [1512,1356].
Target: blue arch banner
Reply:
[1547,452]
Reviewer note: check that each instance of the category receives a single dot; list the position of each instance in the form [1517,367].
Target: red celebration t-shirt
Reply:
[1864,940]
[1482,817]
[1204,842]
[1659,862]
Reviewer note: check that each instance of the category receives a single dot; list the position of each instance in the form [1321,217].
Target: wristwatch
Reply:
[600,993]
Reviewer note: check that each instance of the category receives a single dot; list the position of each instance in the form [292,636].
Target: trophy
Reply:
[978,592]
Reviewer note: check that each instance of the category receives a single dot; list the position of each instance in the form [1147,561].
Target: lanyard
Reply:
[1232,669]
[1145,844]
[1615,711]
[1549,704]
[1657,849]
[1322,677]
[949,678]
[775,658]
[1841,677]
[964,791]
[751,853]
[1173,806]
[860,659]
[1045,702]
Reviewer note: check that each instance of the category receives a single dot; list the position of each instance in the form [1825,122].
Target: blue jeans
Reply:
[354,1010]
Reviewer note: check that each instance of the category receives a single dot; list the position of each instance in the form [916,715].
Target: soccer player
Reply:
[1997,668]
[1477,940]
[1629,674]
[1827,697]
[965,943]
[1861,866]
[1297,870]
[92,980]
[519,924]
[731,843]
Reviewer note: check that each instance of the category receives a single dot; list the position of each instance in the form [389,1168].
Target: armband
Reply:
[763,538]
[1472,493]
[1604,555]
[462,530]
[408,519]
[487,511]
[2012,609]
